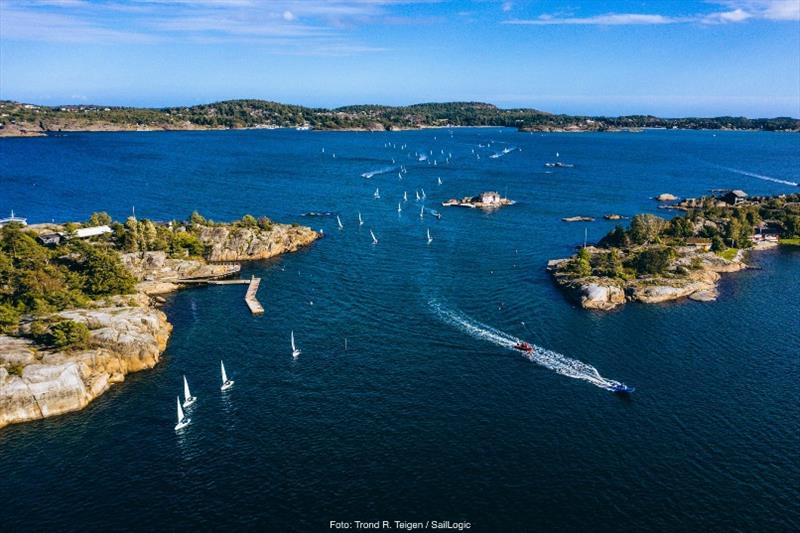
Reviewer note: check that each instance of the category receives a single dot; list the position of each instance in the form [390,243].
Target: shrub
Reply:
[9,318]
[69,334]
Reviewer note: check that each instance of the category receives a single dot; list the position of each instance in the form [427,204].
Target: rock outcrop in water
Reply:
[236,243]
[694,275]
[37,383]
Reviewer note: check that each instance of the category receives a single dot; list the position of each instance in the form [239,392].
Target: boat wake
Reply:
[761,177]
[383,170]
[557,362]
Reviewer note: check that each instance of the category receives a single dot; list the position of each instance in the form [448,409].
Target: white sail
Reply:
[405,196]
[180,410]
[399,208]
[360,220]
[186,392]
[430,239]
[224,374]
[439,181]
[377,194]
[416,193]
[295,351]
[339,221]
[421,212]
[423,193]
[374,238]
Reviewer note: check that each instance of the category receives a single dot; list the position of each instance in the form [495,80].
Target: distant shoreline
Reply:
[29,120]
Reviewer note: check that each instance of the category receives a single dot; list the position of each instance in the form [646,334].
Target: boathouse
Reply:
[734,197]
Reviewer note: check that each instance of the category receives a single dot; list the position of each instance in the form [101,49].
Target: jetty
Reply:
[250,298]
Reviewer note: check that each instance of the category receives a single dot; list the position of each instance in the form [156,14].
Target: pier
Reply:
[250,297]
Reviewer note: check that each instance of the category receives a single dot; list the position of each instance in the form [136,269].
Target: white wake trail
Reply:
[383,170]
[547,358]
[761,177]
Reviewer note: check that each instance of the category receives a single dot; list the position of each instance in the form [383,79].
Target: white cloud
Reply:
[738,11]
[611,19]
[288,15]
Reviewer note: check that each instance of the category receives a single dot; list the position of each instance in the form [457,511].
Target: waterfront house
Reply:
[51,239]
[490,198]
[734,197]
[699,243]
[92,231]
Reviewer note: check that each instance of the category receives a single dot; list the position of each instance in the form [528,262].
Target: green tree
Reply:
[104,272]
[717,244]
[653,260]
[646,228]
[100,218]
[583,265]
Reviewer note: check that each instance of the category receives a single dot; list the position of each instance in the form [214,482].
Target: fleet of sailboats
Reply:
[183,420]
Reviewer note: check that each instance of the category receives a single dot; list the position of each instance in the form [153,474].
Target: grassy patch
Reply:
[791,242]
[728,253]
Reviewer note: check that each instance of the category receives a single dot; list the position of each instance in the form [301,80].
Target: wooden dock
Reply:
[250,298]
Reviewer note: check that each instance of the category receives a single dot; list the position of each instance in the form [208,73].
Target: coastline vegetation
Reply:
[653,248]
[260,113]
[38,280]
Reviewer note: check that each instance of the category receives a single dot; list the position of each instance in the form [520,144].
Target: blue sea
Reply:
[407,402]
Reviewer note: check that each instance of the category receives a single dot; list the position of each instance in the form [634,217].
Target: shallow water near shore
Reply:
[406,403]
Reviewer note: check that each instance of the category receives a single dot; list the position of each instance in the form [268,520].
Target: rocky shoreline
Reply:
[701,272]
[127,333]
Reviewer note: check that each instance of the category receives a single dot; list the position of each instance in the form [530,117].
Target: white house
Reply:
[93,231]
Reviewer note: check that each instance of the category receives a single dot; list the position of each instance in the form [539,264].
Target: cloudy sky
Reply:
[671,58]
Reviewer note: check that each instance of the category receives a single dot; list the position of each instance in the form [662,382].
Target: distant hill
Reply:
[18,119]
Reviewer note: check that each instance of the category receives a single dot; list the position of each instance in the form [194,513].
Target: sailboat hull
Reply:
[182,424]
[189,401]
[227,385]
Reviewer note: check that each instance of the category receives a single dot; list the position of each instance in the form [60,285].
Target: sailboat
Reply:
[430,239]
[399,208]
[339,221]
[405,196]
[226,383]
[439,181]
[421,211]
[295,349]
[377,194]
[360,220]
[423,193]
[374,238]
[183,420]
[417,194]
[188,398]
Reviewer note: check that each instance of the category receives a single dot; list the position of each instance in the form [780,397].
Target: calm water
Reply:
[427,415]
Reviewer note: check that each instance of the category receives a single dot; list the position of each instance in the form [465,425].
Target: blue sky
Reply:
[670,58]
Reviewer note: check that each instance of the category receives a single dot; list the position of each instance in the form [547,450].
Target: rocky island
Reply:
[79,302]
[657,260]
[485,200]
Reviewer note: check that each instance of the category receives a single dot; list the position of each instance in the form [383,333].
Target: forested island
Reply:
[20,119]
[79,301]
[657,260]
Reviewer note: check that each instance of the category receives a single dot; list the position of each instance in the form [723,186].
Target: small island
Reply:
[79,302]
[657,260]
[485,200]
